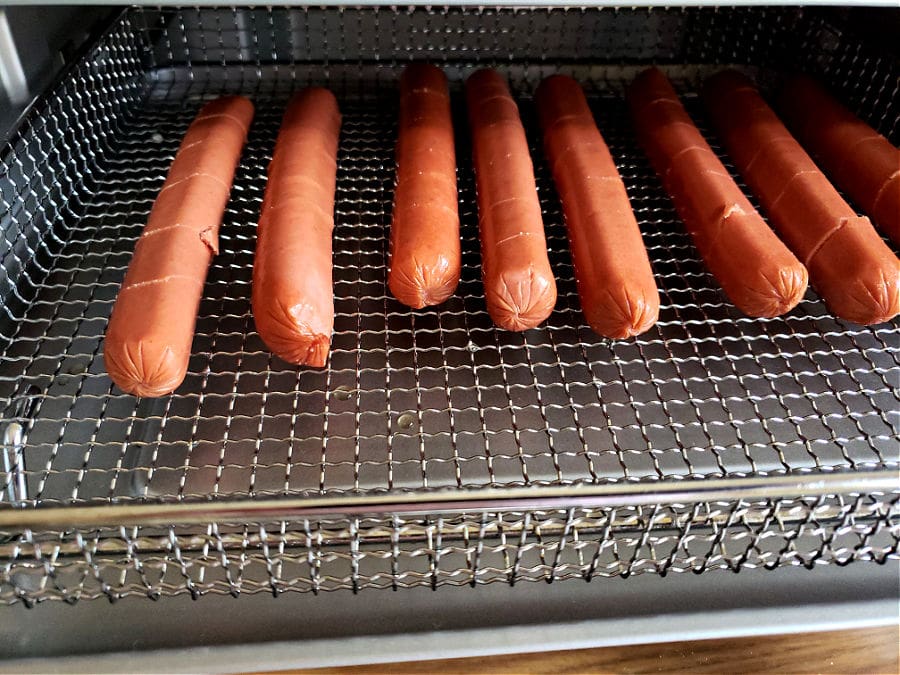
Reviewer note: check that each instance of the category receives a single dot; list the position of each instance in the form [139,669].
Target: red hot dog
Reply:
[425,247]
[618,294]
[518,283]
[148,340]
[862,162]
[849,265]
[292,295]
[756,270]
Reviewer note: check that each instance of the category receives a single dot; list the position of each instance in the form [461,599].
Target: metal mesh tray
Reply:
[411,402]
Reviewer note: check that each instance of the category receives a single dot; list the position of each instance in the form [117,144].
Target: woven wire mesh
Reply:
[409,400]
[446,549]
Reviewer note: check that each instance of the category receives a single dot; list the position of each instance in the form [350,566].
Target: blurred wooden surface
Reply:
[873,650]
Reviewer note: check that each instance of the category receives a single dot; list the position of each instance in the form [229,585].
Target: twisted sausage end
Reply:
[521,300]
[145,367]
[623,314]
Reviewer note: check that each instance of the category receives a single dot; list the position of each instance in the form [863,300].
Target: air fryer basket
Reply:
[433,449]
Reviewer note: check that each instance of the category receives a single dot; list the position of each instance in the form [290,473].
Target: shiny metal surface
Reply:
[416,402]
[210,635]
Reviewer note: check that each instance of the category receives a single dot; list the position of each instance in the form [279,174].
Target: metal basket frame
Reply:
[433,449]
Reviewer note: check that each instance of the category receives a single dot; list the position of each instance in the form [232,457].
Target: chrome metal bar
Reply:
[451,501]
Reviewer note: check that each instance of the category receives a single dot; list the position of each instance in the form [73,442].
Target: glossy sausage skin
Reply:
[849,265]
[293,296]
[618,294]
[860,161]
[518,283]
[755,269]
[148,340]
[425,248]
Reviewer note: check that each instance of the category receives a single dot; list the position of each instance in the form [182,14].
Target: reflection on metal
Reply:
[12,75]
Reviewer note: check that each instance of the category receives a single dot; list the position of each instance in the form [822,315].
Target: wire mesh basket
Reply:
[433,448]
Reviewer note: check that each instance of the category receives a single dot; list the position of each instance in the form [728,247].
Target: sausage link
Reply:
[618,294]
[849,265]
[860,161]
[519,287]
[148,339]
[425,257]
[755,269]
[293,295]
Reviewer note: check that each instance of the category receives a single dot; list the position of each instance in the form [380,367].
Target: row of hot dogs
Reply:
[820,237]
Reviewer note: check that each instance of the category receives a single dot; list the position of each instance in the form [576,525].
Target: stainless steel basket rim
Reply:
[423,500]
[455,501]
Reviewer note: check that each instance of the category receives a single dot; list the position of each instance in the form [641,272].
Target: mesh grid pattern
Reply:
[202,38]
[506,547]
[409,400]
[435,398]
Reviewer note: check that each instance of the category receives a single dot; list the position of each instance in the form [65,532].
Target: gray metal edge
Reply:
[217,632]
[480,642]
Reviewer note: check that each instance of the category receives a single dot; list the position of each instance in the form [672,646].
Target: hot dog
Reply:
[292,292]
[618,294]
[849,265]
[755,269]
[425,248]
[860,161]
[519,287]
[148,339]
